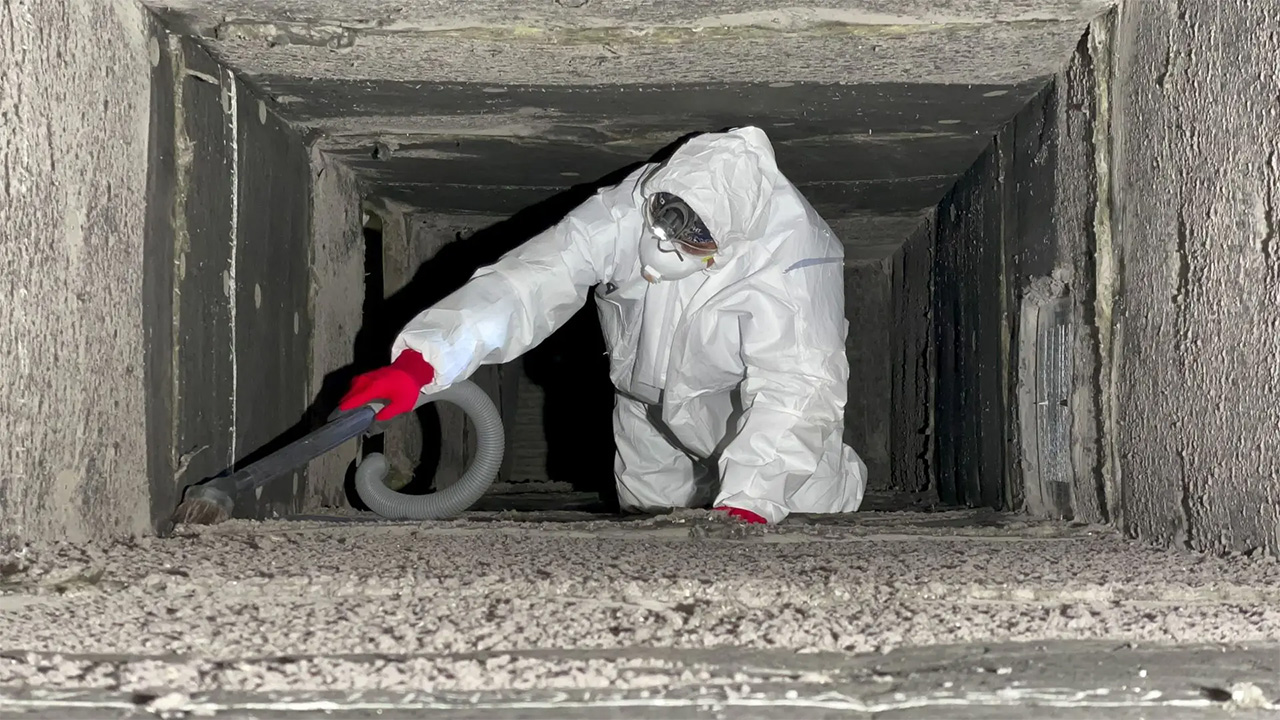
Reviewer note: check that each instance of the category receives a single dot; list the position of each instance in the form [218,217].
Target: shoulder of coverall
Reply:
[789,231]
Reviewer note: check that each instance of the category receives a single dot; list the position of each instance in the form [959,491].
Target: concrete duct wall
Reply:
[1197,312]
[911,356]
[1138,196]
[227,296]
[156,250]
[989,243]
[868,297]
[337,263]
[73,185]
[1015,410]
[170,247]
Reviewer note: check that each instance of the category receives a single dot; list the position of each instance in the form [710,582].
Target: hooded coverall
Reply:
[764,325]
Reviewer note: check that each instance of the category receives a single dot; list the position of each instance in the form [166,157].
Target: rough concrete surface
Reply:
[73,177]
[868,196]
[337,293]
[969,281]
[997,53]
[1022,220]
[869,236]
[420,112]
[1198,321]
[1078,122]
[560,611]
[205,16]
[273,285]
[576,42]
[559,154]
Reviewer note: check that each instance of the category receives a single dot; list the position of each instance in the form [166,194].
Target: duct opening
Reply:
[937,271]
[965,167]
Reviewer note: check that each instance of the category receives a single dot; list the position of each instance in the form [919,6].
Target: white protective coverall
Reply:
[765,321]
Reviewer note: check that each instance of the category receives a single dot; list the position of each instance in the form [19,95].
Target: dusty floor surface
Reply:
[561,615]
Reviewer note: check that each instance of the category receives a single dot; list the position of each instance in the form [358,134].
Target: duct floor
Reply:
[563,614]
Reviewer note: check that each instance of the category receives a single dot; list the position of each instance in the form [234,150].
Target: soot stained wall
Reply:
[910,347]
[868,411]
[1017,234]
[227,262]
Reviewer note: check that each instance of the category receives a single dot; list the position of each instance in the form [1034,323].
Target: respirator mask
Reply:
[676,244]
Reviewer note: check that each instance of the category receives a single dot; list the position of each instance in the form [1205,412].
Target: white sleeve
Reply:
[509,307]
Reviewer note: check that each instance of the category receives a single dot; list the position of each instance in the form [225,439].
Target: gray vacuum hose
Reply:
[455,499]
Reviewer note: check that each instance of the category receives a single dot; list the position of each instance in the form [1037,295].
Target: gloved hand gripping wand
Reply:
[213,501]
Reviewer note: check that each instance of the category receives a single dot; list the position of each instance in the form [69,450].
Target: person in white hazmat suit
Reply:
[713,275]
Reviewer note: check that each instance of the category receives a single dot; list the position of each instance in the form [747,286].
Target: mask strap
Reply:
[672,247]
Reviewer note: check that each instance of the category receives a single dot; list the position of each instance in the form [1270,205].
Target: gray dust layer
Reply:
[502,603]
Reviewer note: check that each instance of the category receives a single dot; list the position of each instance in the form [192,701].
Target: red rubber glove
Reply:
[398,385]
[745,516]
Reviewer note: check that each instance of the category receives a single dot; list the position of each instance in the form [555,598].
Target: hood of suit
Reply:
[727,178]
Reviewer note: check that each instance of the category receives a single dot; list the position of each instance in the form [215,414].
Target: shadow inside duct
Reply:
[570,367]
